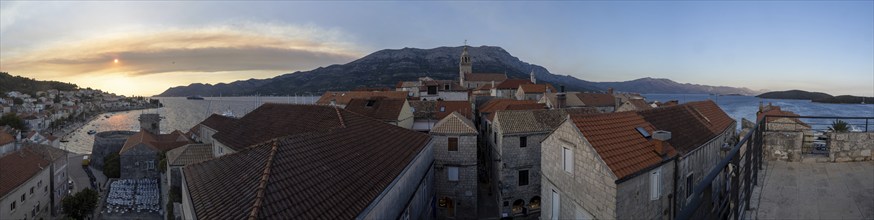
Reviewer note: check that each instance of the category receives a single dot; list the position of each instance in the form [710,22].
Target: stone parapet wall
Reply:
[850,146]
[783,145]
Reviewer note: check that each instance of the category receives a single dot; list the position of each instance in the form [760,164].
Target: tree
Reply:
[18,101]
[81,204]
[13,121]
[112,166]
[840,126]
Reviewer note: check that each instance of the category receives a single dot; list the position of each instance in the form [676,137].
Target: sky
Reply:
[825,46]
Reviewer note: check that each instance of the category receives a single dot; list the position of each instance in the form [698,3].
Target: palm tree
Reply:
[839,126]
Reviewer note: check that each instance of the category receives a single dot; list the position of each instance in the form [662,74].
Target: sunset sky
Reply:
[776,45]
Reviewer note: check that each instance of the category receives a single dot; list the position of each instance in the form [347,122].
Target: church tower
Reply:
[464,65]
[533,78]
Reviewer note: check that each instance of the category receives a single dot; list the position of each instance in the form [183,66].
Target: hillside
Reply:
[385,68]
[795,94]
[30,86]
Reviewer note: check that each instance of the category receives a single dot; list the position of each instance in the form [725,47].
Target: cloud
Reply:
[241,47]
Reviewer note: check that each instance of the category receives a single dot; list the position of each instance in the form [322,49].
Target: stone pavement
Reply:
[814,191]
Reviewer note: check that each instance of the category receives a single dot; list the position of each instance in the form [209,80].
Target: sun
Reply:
[115,61]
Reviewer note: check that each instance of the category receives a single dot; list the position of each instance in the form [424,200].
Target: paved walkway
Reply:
[815,191]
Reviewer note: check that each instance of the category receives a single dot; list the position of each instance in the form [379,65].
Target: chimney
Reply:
[660,137]
[610,91]
[561,99]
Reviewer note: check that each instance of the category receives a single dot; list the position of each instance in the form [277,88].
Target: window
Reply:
[46,188]
[568,160]
[12,206]
[655,184]
[556,204]
[22,197]
[523,177]
[446,87]
[689,186]
[442,108]
[453,144]
[523,141]
[453,173]
[370,103]
[495,137]
[31,190]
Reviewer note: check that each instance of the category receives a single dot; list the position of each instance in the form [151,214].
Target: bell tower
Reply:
[533,78]
[464,65]
[150,123]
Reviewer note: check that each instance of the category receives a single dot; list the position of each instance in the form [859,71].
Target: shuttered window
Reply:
[453,144]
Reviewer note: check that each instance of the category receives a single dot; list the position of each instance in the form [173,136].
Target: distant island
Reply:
[817,97]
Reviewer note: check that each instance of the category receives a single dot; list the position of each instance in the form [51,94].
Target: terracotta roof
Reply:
[454,124]
[343,97]
[218,122]
[597,99]
[6,138]
[691,124]
[406,84]
[537,88]
[772,110]
[485,77]
[189,154]
[571,99]
[533,121]
[431,109]
[316,174]
[639,104]
[158,142]
[620,145]
[379,108]
[512,83]
[487,86]
[372,89]
[495,105]
[18,167]
[272,120]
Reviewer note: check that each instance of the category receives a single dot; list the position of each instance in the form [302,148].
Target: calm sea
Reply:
[181,114]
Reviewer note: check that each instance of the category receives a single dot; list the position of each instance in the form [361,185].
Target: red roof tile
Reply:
[159,142]
[218,122]
[597,99]
[485,77]
[512,83]
[494,105]
[691,124]
[316,174]
[343,97]
[536,88]
[379,108]
[772,110]
[6,138]
[615,138]
[273,120]
[18,167]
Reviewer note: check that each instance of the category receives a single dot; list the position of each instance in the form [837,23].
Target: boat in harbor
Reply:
[92,132]
[196,97]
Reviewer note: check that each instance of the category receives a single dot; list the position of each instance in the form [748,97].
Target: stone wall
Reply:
[139,162]
[105,143]
[783,145]
[633,199]
[513,160]
[851,146]
[590,190]
[462,192]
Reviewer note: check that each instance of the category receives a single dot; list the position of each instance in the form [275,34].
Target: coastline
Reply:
[68,132]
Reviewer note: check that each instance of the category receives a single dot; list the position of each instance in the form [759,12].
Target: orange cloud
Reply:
[248,48]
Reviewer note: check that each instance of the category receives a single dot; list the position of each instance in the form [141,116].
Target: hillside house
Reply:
[533,91]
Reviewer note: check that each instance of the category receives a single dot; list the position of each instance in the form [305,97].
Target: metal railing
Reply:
[740,169]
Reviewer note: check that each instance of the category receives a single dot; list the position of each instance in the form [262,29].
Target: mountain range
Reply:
[385,68]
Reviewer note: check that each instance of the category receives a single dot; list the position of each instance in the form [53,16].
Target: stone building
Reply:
[203,132]
[106,143]
[140,153]
[427,88]
[603,102]
[515,156]
[533,91]
[32,182]
[313,162]
[700,131]
[508,88]
[455,167]
[606,166]
[428,113]
[7,142]
[471,80]
[555,101]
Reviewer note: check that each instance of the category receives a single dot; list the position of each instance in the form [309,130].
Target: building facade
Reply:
[455,167]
